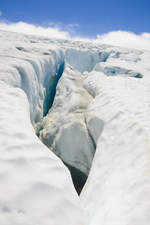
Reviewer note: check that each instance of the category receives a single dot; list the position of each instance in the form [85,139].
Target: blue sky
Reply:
[86,18]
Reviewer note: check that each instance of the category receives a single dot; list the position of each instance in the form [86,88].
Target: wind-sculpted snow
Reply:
[98,124]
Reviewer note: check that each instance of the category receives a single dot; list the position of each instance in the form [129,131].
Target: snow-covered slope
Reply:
[98,117]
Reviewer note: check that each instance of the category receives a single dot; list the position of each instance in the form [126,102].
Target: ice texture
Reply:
[98,124]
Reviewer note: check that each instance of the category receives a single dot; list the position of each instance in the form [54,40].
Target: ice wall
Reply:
[84,60]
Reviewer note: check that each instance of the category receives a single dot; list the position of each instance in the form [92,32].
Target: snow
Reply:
[36,188]
[117,191]
[98,123]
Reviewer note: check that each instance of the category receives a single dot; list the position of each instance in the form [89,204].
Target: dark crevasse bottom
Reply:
[78,177]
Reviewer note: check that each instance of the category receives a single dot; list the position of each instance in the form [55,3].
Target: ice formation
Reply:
[79,106]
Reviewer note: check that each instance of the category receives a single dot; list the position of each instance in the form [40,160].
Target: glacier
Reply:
[74,132]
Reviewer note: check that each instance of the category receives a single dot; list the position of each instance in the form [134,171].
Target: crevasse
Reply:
[64,129]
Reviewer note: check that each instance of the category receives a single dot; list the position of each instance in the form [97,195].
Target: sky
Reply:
[83,17]
[122,22]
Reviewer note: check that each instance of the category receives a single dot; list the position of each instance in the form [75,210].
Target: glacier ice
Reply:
[98,125]
[111,70]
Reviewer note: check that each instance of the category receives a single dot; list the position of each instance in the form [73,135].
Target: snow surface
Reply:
[98,120]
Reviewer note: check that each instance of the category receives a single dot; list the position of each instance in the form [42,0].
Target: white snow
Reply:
[35,186]
[117,191]
[94,114]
